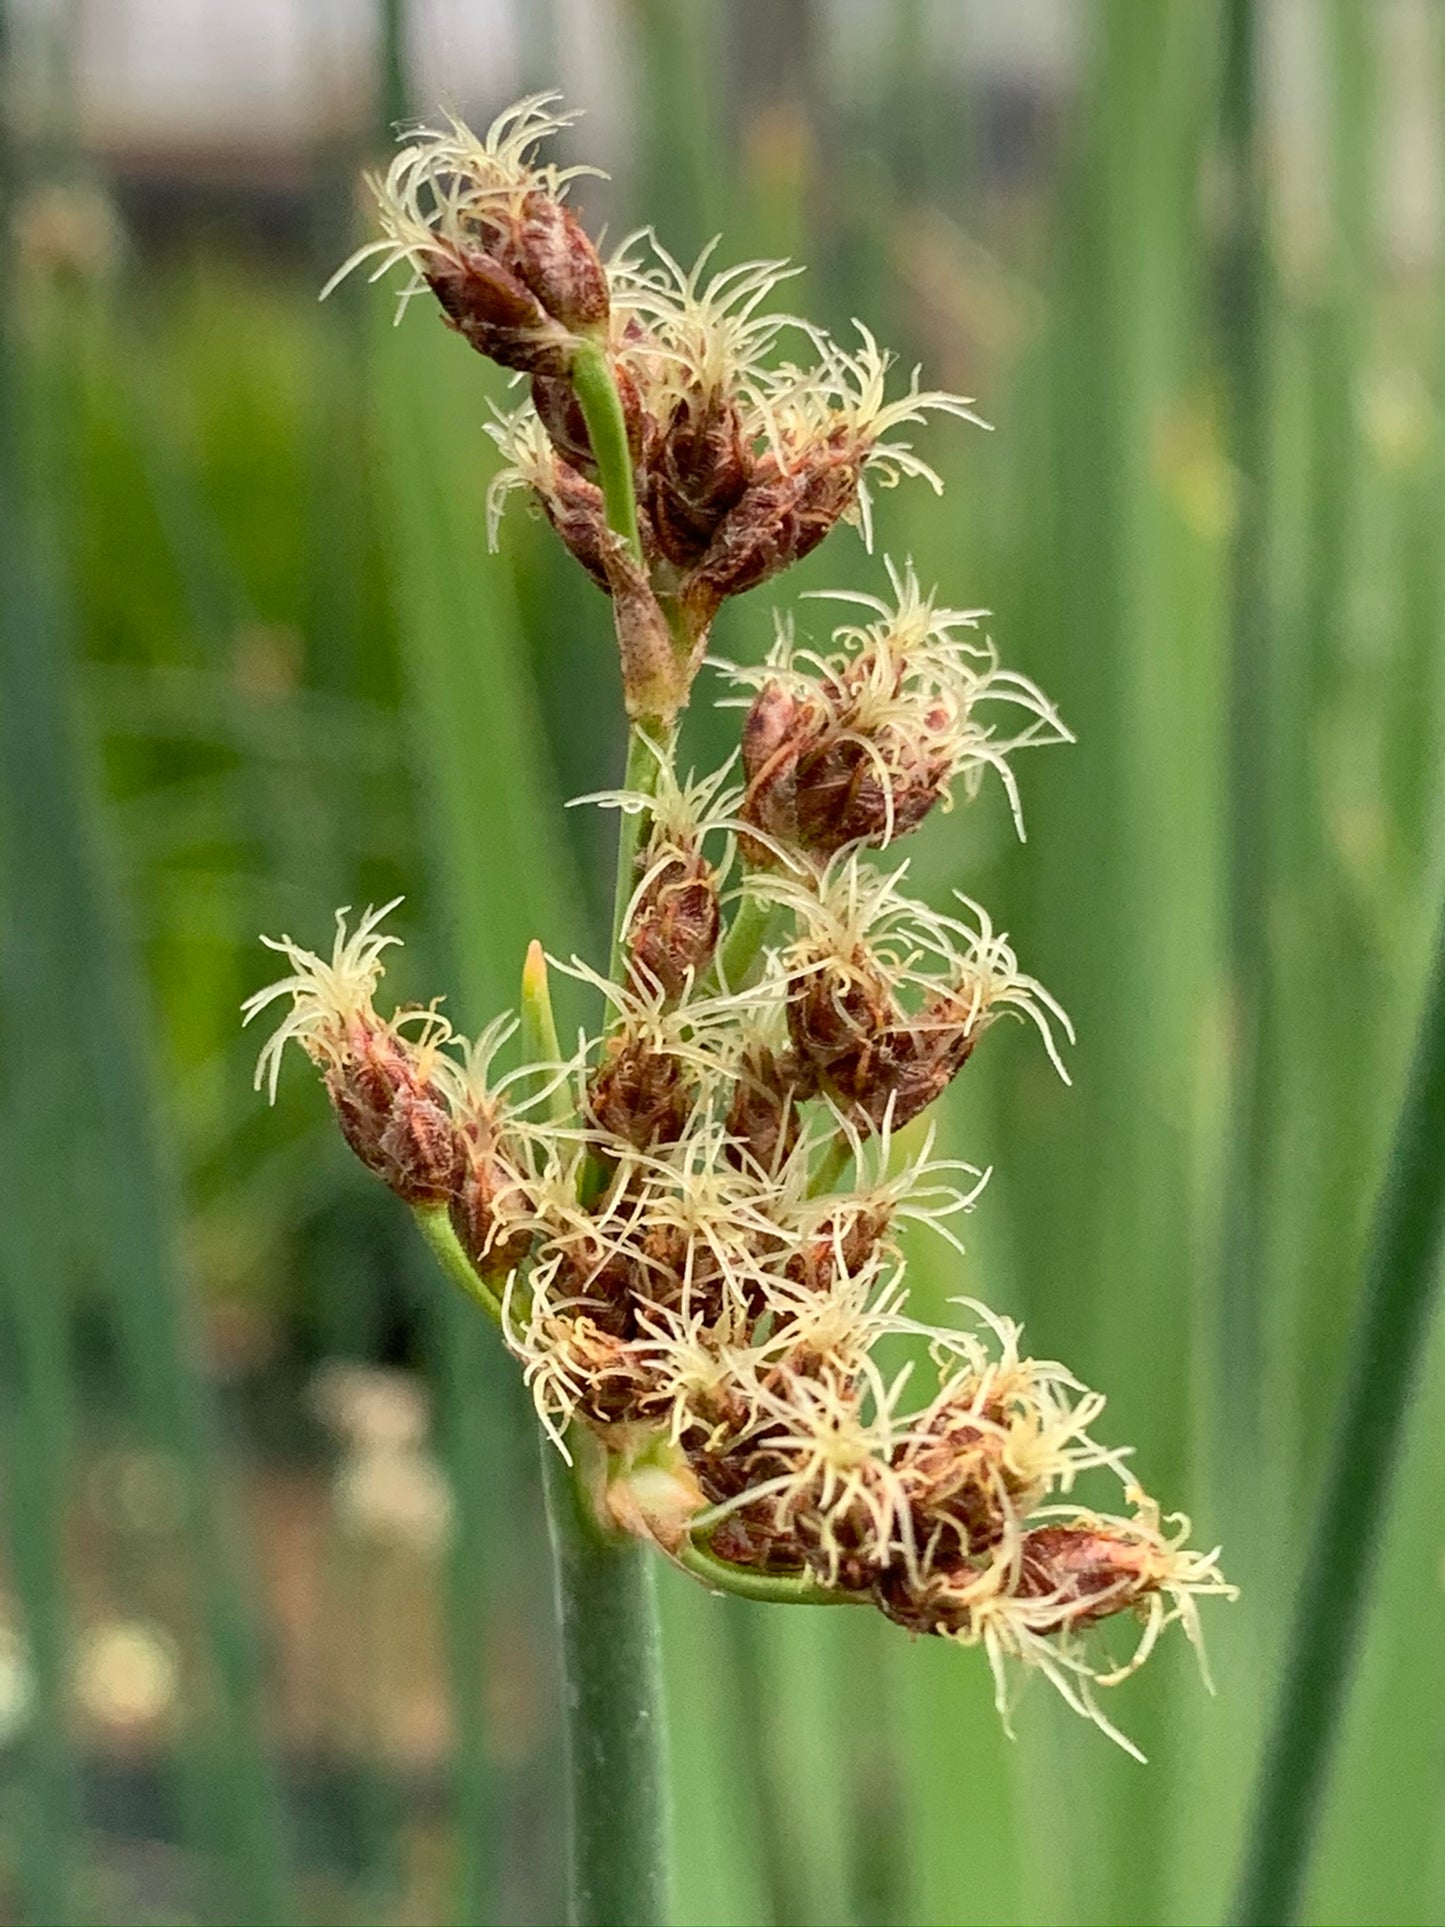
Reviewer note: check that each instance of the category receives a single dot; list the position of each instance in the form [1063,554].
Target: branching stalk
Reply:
[644,766]
[771,1588]
[435,1226]
[597,397]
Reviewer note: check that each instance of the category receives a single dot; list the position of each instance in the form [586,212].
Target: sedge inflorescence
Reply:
[691,1229]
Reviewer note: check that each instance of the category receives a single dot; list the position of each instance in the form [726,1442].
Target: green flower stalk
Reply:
[660,1222]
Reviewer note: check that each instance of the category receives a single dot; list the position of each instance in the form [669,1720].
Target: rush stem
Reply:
[611,1646]
[612,1700]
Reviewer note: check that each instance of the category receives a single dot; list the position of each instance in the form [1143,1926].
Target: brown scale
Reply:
[640,1095]
[835,1017]
[674,929]
[934,1606]
[813,784]
[761,1534]
[817,1264]
[550,252]
[392,1116]
[778,727]
[845,1562]
[753,1535]
[894,1070]
[763,1123]
[497,313]
[595,1281]
[661,1276]
[575,508]
[840,798]
[619,1388]
[956,1476]
[909,1067]
[782,516]
[489,1193]
[801,1527]
[1098,1573]
[698,471]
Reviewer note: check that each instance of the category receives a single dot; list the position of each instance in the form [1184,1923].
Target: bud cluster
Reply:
[658,1218]
[742,464]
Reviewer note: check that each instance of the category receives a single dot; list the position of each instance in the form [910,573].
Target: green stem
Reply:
[835,1162]
[601,407]
[771,1588]
[435,1226]
[745,938]
[616,1743]
[1401,1275]
[611,1650]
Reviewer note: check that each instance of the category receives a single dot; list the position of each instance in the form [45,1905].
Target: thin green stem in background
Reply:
[835,1162]
[1243,282]
[1401,1276]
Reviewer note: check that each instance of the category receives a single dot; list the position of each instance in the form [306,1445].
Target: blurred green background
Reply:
[274,1620]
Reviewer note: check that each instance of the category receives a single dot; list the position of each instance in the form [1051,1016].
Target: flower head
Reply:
[383,1085]
[329,997]
[488,231]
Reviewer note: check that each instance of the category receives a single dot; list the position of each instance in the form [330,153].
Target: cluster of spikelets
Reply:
[656,1220]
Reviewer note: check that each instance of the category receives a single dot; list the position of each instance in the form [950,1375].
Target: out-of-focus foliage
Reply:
[274,1628]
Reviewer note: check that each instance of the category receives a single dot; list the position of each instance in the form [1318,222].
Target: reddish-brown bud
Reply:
[489,1199]
[836,1019]
[391,1114]
[778,727]
[521,285]
[782,516]
[848,791]
[1093,1572]
[639,1094]
[698,470]
[883,1066]
[959,1478]
[674,928]
[497,313]
[550,251]
[837,1247]
[816,783]
[575,508]
[763,1122]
